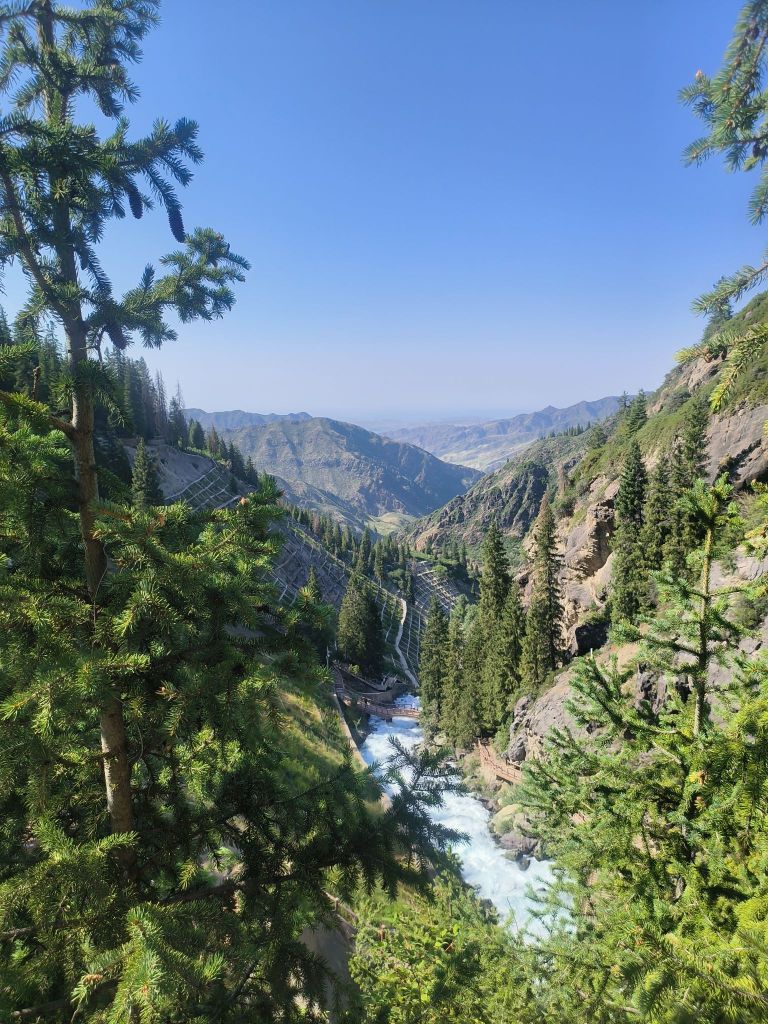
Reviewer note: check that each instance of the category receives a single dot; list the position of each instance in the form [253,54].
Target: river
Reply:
[484,864]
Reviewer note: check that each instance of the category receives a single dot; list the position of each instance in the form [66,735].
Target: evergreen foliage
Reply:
[167,830]
[232,834]
[312,586]
[360,637]
[686,466]
[196,435]
[636,415]
[542,644]
[432,661]
[501,665]
[658,818]
[495,577]
[657,515]
[145,484]
[629,579]
[733,105]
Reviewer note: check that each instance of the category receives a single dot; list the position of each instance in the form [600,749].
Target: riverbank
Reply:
[509,823]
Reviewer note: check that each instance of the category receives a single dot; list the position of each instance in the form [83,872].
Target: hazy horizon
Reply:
[382,423]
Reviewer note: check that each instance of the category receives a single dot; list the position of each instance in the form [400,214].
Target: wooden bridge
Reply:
[370,705]
[501,769]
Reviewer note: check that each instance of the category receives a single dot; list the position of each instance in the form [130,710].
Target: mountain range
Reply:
[234,418]
[349,471]
[487,446]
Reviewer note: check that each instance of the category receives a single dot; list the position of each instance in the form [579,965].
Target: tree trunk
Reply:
[117,777]
[114,740]
[701,710]
[87,490]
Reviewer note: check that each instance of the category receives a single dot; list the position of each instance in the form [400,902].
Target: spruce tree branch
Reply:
[64,426]
[17,933]
[33,1013]
[28,253]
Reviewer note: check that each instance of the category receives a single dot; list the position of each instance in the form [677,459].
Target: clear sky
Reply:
[450,206]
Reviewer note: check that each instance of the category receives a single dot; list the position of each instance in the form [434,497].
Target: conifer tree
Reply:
[250,472]
[196,435]
[433,652]
[360,636]
[733,106]
[161,407]
[236,463]
[637,414]
[460,706]
[159,870]
[378,562]
[629,578]
[317,619]
[312,586]
[597,437]
[145,484]
[212,442]
[177,424]
[686,466]
[657,514]
[501,664]
[495,576]
[656,816]
[542,644]
[236,825]
[53,227]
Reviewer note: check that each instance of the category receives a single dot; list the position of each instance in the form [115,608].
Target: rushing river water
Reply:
[484,864]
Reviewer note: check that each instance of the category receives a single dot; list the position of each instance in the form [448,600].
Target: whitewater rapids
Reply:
[484,865]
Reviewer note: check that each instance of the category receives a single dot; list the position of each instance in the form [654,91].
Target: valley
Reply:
[348,472]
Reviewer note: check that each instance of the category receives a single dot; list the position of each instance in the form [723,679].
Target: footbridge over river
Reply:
[371,703]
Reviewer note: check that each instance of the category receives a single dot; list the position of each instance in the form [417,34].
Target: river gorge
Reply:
[485,865]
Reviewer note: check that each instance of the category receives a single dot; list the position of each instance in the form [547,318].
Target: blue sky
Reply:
[450,206]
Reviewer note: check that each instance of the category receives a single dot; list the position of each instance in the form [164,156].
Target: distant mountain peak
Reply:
[488,445]
[231,419]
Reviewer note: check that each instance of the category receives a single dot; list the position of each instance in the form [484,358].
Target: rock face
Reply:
[590,635]
[736,445]
[532,720]
[511,503]
[511,497]
[588,544]
[513,827]
[586,553]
